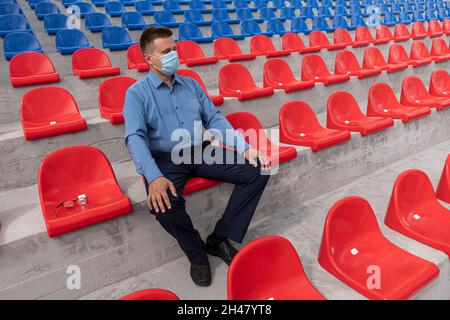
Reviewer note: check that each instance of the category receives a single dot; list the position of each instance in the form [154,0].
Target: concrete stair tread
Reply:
[303,225]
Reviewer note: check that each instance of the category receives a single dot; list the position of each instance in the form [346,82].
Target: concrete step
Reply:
[302,224]
[34,266]
[22,158]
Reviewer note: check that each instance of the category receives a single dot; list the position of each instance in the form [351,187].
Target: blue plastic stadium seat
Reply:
[299,25]
[55,22]
[279,4]
[418,16]
[85,8]
[443,13]
[357,21]
[114,8]
[116,38]
[133,20]
[199,5]
[9,8]
[70,40]
[238,4]
[355,11]
[222,15]
[145,8]
[251,28]
[67,3]
[268,14]
[246,14]
[33,3]
[342,10]
[321,24]
[405,17]
[165,18]
[390,19]
[287,13]
[324,12]
[195,16]
[306,12]
[12,23]
[173,7]
[45,8]
[190,31]
[328,3]
[275,26]
[221,29]
[296,4]
[100,3]
[96,22]
[18,42]
[260,3]
[220,4]
[341,22]
[431,15]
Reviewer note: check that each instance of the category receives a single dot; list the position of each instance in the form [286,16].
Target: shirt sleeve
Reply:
[136,138]
[214,120]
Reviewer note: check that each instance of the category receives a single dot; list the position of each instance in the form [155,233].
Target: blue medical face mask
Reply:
[169,63]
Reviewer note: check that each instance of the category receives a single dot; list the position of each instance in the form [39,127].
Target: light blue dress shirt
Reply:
[153,111]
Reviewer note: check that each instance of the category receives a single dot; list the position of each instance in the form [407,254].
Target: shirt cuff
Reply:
[151,175]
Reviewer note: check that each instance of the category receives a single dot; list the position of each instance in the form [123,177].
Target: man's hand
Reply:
[252,155]
[157,194]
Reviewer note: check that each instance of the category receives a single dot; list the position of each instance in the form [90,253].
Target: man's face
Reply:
[157,49]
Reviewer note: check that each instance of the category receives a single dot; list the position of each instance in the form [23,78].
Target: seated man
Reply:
[163,103]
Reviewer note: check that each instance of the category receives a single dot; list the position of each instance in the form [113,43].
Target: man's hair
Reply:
[150,34]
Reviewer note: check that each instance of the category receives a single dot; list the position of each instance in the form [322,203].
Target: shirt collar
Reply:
[157,82]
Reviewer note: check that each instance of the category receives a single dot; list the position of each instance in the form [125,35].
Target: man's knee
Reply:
[256,175]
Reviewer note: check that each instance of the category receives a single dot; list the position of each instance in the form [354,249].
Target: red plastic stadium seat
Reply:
[314,68]
[216,99]
[92,63]
[318,38]
[401,32]
[363,37]
[383,34]
[49,111]
[293,42]
[227,48]
[383,103]
[151,294]
[415,94]
[262,45]
[373,59]
[31,68]
[418,31]
[354,250]
[435,29]
[69,173]
[253,130]
[419,51]
[398,55]
[446,26]
[343,113]
[111,96]
[236,81]
[192,54]
[440,83]
[299,126]
[443,189]
[278,75]
[341,36]
[415,211]
[346,63]
[135,59]
[269,268]
[439,50]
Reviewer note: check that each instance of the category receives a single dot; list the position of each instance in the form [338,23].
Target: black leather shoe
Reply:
[201,273]
[222,249]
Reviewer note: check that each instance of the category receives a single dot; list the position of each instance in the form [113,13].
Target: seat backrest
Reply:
[419,50]
[24,64]
[397,54]
[342,36]
[381,95]
[298,24]
[345,62]
[401,30]
[418,28]
[189,30]
[244,14]
[275,25]
[196,4]
[194,75]
[46,7]
[163,16]
[70,38]
[363,34]
[89,58]
[439,82]
[97,19]
[350,227]
[111,92]
[43,104]
[193,16]
[287,13]
[20,42]
[223,47]
[9,8]
[55,20]
[114,6]
[292,41]
[221,29]
[188,49]
[132,17]
[298,117]
[220,14]
[235,76]
[434,26]
[219,4]
[72,168]
[250,27]
[115,34]
[318,38]
[13,22]
[342,106]
[312,66]
[373,58]
[439,47]
[261,44]
[262,263]
[267,13]
[278,71]
[171,5]
[134,55]
[144,5]
[383,32]
[413,87]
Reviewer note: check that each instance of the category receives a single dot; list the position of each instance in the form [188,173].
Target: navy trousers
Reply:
[249,186]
